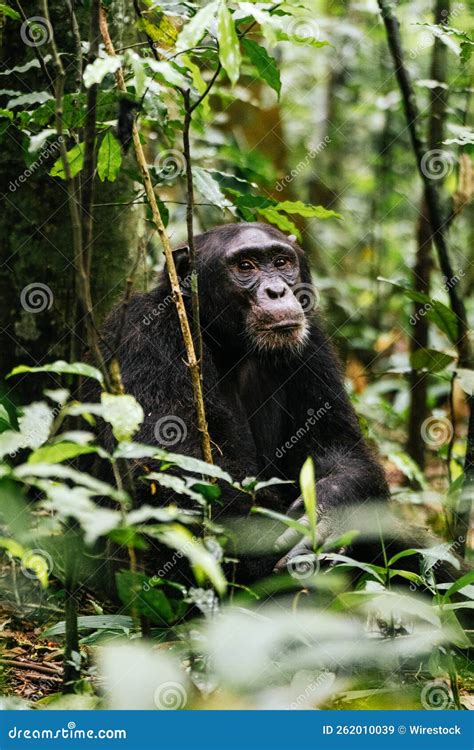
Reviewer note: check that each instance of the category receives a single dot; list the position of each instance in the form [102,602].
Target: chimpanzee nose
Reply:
[275,291]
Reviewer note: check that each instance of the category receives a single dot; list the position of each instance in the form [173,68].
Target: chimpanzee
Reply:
[273,389]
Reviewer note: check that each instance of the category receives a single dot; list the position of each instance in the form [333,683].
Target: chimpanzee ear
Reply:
[181,260]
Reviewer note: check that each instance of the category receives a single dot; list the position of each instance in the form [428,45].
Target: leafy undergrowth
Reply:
[161,622]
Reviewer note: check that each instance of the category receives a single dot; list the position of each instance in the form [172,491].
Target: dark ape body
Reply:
[273,389]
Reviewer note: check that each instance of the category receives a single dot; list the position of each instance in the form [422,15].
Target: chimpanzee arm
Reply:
[327,429]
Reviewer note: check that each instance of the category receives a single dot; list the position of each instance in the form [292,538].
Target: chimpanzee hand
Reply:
[294,544]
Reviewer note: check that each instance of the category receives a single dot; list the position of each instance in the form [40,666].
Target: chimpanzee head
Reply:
[253,284]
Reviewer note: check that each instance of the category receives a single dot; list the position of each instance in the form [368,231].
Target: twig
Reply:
[171,268]
[190,229]
[18,664]
[77,42]
[90,150]
[433,203]
[36,50]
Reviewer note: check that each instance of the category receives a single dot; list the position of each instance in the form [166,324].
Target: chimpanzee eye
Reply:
[280,262]
[245,265]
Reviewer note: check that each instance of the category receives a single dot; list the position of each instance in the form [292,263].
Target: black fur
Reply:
[257,402]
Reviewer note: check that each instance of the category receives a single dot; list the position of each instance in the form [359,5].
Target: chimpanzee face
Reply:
[263,272]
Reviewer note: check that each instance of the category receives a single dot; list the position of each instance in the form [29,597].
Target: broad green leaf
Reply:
[408,466]
[136,594]
[265,64]
[203,563]
[195,29]
[109,158]
[458,585]
[436,311]
[167,73]
[61,368]
[33,63]
[34,472]
[308,211]
[94,622]
[430,359]
[9,12]
[36,97]
[14,548]
[286,520]
[102,66]
[209,188]
[124,413]
[400,555]
[51,454]
[75,158]
[163,32]
[229,47]
[308,490]
[172,482]
[31,560]
[280,220]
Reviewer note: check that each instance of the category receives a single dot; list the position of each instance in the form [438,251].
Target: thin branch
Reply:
[36,50]
[435,215]
[171,268]
[190,229]
[77,43]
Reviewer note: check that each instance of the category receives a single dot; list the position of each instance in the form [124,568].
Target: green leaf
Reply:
[177,484]
[465,378]
[308,490]
[436,311]
[102,66]
[136,594]
[400,555]
[308,211]
[229,48]
[458,585]
[52,454]
[209,188]
[9,12]
[124,413]
[61,368]
[36,97]
[265,64]
[75,158]
[286,520]
[94,622]
[195,29]
[203,563]
[109,158]
[430,359]
[280,220]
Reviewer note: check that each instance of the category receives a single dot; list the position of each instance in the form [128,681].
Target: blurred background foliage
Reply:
[313,138]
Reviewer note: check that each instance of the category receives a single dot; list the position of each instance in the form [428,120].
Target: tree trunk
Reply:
[424,260]
[37,279]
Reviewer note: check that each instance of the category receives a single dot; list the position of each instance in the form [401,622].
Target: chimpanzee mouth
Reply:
[286,334]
